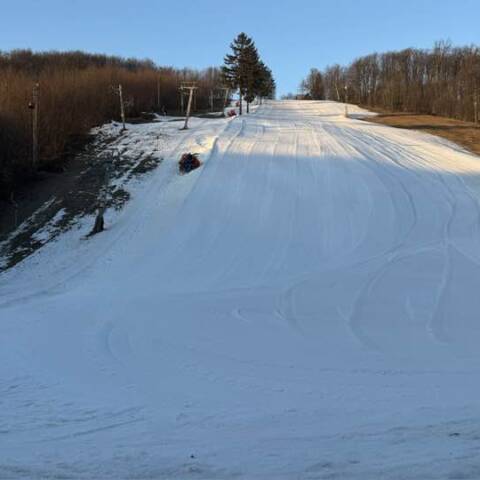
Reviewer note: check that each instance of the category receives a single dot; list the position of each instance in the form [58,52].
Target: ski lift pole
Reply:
[190,87]
[225,100]
[122,106]
[33,106]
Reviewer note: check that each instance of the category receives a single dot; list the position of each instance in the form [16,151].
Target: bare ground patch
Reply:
[103,166]
[466,134]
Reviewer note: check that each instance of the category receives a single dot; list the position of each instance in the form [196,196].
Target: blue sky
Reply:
[292,36]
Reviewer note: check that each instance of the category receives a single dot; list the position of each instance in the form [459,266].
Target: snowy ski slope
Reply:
[306,305]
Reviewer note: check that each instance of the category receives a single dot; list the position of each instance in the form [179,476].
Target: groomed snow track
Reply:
[306,305]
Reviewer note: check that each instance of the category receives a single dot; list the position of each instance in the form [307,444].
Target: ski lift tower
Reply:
[226,91]
[188,87]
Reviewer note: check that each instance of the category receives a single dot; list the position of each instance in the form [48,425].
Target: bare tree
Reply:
[441,81]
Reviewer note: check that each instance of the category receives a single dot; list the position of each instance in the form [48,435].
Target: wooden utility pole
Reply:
[225,100]
[190,87]
[122,106]
[34,106]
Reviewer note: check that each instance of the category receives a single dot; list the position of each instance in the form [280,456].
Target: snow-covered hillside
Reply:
[305,305]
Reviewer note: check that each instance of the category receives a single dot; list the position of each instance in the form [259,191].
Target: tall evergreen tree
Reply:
[243,70]
[254,72]
[264,82]
[237,71]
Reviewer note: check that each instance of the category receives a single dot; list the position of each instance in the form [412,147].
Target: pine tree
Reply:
[243,70]
[237,71]
[254,72]
[265,84]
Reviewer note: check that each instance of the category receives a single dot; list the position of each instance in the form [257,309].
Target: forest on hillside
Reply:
[48,100]
[444,81]
[77,91]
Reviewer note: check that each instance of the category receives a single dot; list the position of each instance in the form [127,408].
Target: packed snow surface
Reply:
[306,305]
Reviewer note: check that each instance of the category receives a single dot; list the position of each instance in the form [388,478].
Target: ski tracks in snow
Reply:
[310,287]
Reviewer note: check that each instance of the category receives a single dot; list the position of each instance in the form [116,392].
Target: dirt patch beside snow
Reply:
[466,134]
[102,167]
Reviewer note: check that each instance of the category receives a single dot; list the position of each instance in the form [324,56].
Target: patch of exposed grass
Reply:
[466,134]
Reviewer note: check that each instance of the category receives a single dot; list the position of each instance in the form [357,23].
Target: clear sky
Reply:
[291,35]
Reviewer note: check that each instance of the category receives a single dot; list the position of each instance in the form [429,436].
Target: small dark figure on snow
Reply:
[99,225]
[188,162]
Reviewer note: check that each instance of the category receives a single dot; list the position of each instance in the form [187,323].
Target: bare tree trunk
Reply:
[240,110]
[475,104]
[338,93]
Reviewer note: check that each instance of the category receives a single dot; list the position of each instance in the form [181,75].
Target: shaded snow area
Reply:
[303,306]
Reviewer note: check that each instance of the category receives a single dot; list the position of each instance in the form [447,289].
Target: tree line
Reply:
[444,81]
[78,91]
[243,70]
